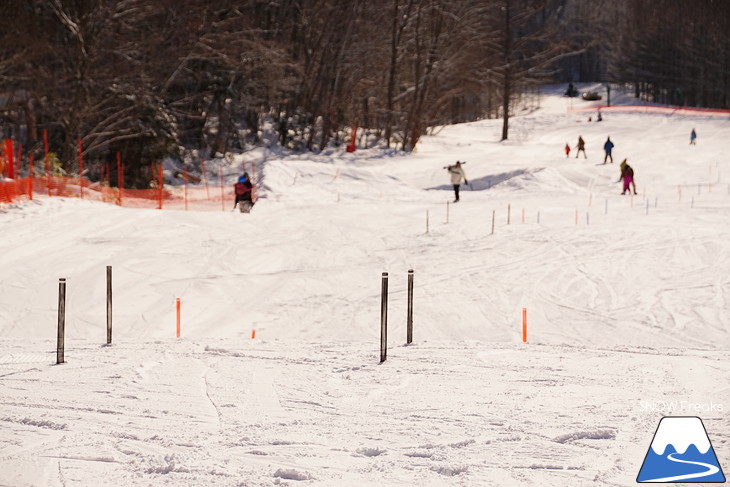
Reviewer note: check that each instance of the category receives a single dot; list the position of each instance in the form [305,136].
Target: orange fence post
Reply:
[30,178]
[524,325]
[253,334]
[177,307]
[48,161]
[81,169]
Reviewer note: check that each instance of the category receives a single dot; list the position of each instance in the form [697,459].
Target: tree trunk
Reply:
[507,88]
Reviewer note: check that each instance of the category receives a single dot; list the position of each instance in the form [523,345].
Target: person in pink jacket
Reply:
[627,175]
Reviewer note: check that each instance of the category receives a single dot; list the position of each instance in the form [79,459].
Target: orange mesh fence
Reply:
[8,191]
[190,197]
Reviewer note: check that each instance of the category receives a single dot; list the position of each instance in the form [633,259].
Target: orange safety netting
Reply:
[187,197]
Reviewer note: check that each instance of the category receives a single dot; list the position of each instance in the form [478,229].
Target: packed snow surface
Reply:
[627,302]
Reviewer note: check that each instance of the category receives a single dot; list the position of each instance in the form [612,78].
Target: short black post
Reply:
[108,305]
[384,318]
[61,319]
[409,319]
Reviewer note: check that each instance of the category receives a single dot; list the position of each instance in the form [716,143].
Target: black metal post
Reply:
[108,305]
[409,320]
[384,318]
[61,320]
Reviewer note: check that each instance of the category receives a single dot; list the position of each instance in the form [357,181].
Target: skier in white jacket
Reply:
[457,174]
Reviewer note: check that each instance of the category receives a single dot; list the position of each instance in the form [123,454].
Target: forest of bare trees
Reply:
[163,78]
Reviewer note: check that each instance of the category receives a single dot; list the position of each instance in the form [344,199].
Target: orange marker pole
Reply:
[524,325]
[177,307]
[253,334]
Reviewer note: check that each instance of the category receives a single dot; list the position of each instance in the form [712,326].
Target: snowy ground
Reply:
[628,309]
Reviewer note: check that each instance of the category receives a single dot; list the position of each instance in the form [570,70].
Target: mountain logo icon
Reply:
[681,452]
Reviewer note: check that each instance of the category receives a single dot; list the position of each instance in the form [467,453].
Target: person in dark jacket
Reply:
[608,147]
[627,175]
[581,147]
[243,189]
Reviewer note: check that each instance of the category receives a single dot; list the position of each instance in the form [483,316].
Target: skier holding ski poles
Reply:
[457,174]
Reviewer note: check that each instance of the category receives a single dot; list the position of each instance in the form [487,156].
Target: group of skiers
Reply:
[244,188]
[627,172]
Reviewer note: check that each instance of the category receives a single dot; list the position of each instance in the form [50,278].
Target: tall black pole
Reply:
[384,318]
[61,319]
[409,320]
[108,305]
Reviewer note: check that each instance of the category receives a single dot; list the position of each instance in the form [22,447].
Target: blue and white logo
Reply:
[681,452]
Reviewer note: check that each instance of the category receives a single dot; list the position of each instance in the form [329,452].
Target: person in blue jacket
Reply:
[608,147]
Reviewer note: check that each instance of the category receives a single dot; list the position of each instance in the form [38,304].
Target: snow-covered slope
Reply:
[627,302]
